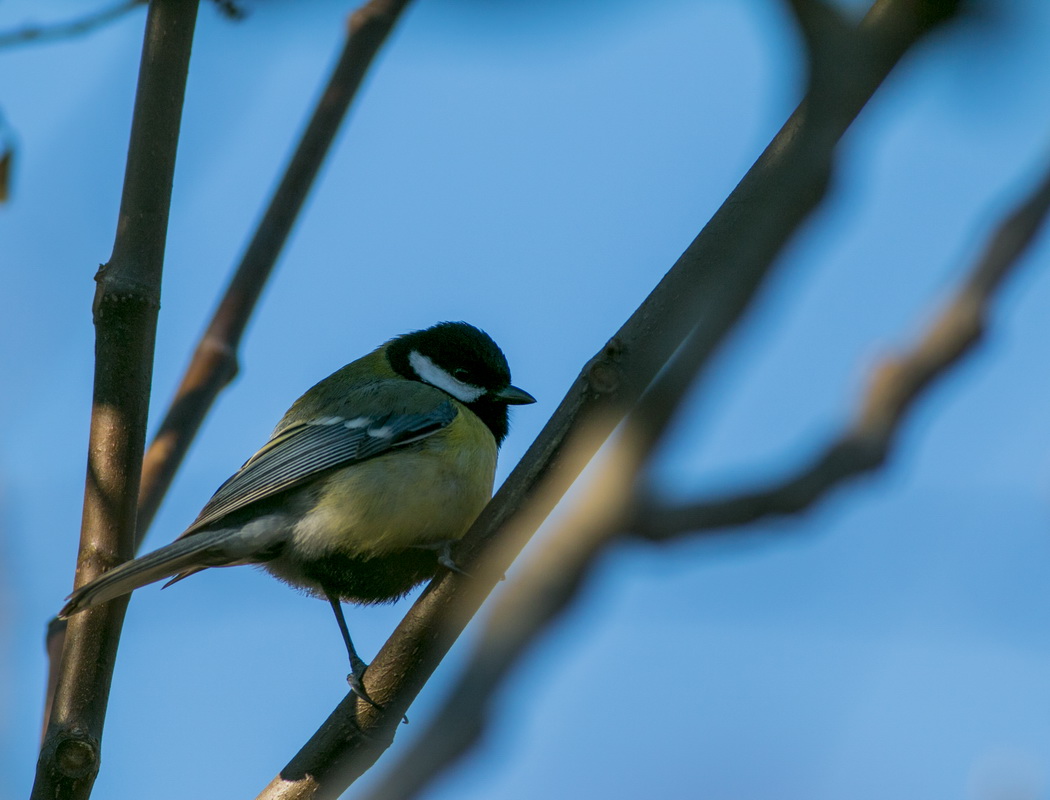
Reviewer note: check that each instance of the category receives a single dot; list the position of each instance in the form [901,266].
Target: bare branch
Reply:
[553,576]
[7,158]
[32,34]
[214,362]
[705,293]
[893,390]
[126,303]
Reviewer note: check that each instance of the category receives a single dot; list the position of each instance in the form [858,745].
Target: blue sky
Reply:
[535,169]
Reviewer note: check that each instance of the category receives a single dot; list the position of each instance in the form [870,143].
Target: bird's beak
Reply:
[514,396]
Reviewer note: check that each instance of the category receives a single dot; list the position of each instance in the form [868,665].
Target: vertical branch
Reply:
[214,362]
[127,299]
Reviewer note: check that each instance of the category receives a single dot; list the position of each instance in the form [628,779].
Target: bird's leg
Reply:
[357,667]
[444,555]
[445,559]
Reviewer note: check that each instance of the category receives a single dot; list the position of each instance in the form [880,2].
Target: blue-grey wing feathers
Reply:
[299,453]
[295,455]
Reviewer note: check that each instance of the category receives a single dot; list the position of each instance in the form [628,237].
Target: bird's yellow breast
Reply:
[418,495]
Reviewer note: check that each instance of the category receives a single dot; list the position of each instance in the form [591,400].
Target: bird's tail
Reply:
[188,554]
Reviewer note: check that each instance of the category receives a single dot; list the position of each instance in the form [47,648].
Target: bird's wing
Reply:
[303,450]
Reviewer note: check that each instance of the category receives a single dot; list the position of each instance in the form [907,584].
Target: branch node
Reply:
[120,287]
[605,373]
[219,346]
[77,756]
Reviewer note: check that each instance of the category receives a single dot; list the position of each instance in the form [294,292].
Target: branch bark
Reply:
[553,576]
[605,512]
[214,362]
[705,293]
[893,389]
[126,302]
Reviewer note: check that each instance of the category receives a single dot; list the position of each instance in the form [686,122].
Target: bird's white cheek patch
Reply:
[431,373]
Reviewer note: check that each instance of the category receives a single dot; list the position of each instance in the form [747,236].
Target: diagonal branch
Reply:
[553,576]
[712,283]
[893,390]
[127,299]
[550,580]
[214,362]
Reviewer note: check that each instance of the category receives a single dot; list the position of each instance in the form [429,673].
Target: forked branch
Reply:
[893,389]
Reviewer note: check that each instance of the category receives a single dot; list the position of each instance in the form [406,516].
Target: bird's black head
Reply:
[464,362]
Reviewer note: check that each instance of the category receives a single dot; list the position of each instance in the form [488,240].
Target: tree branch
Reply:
[712,283]
[125,308]
[553,576]
[214,362]
[7,158]
[893,389]
[64,30]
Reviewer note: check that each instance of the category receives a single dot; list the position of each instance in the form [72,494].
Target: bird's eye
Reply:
[460,374]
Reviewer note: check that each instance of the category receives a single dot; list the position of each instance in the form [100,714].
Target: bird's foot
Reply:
[357,686]
[445,560]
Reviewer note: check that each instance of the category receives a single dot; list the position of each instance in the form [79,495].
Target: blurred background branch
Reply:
[893,389]
[553,576]
[40,33]
[31,34]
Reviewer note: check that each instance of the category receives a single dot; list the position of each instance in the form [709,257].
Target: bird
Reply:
[364,485]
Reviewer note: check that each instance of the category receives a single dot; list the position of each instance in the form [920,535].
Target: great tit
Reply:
[364,484]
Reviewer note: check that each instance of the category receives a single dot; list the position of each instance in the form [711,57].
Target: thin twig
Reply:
[214,362]
[7,158]
[32,34]
[714,281]
[893,390]
[126,304]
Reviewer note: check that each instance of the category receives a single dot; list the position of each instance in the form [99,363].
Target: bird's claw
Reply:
[445,559]
[357,686]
